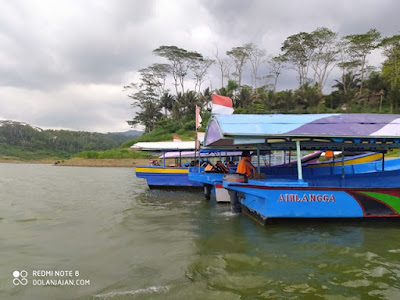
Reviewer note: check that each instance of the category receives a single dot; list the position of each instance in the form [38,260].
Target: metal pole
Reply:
[299,166]
[284,157]
[258,159]
[163,154]
[383,161]
[342,162]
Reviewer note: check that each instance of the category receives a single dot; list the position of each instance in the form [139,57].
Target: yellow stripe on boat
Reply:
[354,161]
[160,170]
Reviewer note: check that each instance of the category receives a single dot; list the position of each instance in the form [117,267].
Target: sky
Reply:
[63,64]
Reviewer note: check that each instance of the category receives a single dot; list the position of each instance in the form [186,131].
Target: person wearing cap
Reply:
[246,167]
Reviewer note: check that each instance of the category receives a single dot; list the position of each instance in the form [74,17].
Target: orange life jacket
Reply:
[243,168]
[209,167]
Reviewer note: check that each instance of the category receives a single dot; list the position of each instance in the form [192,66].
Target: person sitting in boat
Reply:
[230,164]
[154,163]
[220,167]
[246,167]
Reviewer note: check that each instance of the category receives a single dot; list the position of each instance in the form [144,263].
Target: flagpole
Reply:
[195,139]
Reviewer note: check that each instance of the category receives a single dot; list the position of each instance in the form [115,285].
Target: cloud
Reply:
[102,108]
[71,58]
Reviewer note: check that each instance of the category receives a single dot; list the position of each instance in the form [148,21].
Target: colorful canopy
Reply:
[315,131]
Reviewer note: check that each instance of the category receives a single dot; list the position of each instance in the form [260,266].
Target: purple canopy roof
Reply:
[315,129]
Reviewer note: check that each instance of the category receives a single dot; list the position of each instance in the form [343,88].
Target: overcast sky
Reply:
[63,64]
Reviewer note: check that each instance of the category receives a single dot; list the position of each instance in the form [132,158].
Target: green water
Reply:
[128,242]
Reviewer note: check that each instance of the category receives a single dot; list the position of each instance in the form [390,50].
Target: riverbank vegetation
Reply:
[23,142]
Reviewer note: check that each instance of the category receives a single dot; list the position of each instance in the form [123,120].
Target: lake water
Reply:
[105,230]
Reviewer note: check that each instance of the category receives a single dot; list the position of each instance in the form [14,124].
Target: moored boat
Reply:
[163,176]
[345,194]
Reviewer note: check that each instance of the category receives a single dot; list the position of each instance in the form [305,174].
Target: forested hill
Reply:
[23,141]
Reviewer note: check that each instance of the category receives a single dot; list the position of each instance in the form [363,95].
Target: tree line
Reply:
[312,55]
[62,143]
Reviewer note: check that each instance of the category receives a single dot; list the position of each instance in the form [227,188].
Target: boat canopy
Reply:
[164,146]
[353,132]
[202,154]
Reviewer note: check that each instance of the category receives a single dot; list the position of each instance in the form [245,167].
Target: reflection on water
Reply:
[135,243]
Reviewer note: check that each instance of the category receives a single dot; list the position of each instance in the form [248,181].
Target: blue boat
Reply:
[163,176]
[212,181]
[363,163]
[176,176]
[343,192]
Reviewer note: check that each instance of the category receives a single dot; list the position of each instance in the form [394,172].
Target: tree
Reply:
[199,69]
[350,82]
[166,102]
[347,63]
[325,55]
[148,115]
[145,99]
[308,96]
[180,61]
[245,97]
[360,45]
[159,73]
[298,50]
[223,66]
[276,64]
[184,106]
[239,56]
[391,66]
[256,57]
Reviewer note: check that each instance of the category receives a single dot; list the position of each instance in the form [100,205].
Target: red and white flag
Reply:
[221,105]
[198,117]
[177,139]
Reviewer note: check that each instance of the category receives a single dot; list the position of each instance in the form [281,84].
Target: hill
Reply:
[21,141]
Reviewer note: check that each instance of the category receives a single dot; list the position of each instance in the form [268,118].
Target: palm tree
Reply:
[166,102]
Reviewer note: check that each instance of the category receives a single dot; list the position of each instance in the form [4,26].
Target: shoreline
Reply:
[83,162]
[106,162]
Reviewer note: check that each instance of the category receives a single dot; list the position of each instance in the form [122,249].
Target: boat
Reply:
[349,160]
[366,162]
[212,181]
[175,176]
[351,193]
[165,176]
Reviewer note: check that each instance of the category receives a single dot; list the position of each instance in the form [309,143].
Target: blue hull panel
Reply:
[168,179]
[356,196]
[303,204]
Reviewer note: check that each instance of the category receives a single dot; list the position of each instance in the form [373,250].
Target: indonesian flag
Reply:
[221,105]
[177,139]
[198,117]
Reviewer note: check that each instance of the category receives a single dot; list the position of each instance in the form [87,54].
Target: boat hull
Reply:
[166,177]
[358,196]
[322,203]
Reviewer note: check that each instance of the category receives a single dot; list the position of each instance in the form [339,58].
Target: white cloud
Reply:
[64,63]
[102,108]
